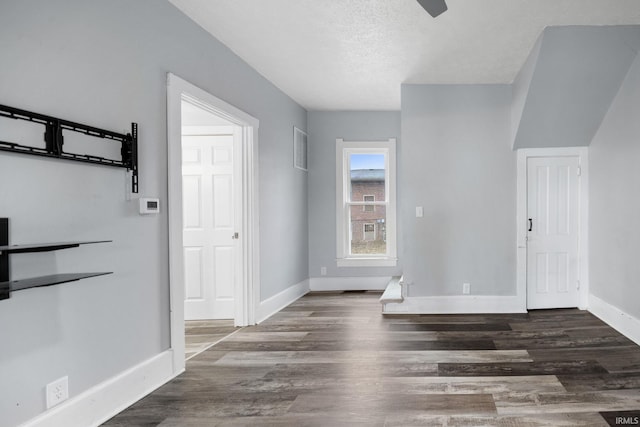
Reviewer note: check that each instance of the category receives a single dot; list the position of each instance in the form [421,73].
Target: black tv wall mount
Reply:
[54,141]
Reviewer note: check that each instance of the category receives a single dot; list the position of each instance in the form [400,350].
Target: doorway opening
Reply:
[213,228]
[552,228]
[211,186]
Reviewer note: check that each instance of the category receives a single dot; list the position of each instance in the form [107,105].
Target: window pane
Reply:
[369,198]
[368,230]
[367,177]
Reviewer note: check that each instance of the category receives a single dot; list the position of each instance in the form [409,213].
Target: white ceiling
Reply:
[355,54]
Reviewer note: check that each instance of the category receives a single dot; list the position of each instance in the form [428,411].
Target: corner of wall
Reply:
[271,306]
[520,88]
[621,321]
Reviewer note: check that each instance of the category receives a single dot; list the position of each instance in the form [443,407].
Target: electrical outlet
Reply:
[466,288]
[323,271]
[57,391]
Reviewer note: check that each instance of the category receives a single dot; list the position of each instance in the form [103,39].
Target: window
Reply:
[369,232]
[369,208]
[366,203]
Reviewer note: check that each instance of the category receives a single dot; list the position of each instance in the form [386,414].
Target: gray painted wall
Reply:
[520,87]
[614,185]
[104,63]
[324,129]
[456,162]
[578,73]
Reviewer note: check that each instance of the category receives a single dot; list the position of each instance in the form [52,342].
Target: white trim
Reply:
[208,130]
[103,401]
[343,149]
[621,321]
[320,284]
[248,289]
[393,293]
[521,217]
[271,306]
[457,304]
[251,183]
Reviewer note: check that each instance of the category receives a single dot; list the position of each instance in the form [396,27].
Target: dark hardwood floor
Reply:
[332,359]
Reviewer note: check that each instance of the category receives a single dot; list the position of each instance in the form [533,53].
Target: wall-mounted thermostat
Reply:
[149,206]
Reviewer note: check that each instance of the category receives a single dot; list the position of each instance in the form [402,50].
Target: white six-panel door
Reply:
[552,238]
[210,244]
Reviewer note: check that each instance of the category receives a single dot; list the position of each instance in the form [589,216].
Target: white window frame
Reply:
[364,199]
[344,149]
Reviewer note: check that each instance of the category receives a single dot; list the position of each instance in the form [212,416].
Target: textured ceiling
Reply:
[355,54]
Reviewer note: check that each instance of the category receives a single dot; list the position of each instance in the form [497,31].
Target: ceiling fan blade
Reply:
[433,7]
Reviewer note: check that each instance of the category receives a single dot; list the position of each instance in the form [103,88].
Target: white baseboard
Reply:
[349,283]
[270,306]
[624,323]
[96,405]
[457,304]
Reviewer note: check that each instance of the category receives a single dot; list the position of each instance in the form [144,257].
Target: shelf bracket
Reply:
[4,258]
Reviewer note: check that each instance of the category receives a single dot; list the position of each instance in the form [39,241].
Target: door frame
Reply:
[248,285]
[582,153]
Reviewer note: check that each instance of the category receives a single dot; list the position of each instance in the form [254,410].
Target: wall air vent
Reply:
[299,149]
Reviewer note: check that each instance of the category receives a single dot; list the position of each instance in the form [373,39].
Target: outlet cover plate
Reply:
[57,391]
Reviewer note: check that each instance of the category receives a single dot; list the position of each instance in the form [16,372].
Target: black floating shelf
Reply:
[53,279]
[45,247]
[7,286]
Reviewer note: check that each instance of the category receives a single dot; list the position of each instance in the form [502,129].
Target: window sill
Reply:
[367,262]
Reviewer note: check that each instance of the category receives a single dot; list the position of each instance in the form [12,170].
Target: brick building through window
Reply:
[368,222]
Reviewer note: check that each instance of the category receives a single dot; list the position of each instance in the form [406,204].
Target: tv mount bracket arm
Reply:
[54,140]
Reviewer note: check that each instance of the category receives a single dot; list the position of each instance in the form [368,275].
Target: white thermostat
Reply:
[149,206]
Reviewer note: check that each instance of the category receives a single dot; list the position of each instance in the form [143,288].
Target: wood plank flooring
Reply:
[332,359]
[202,334]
